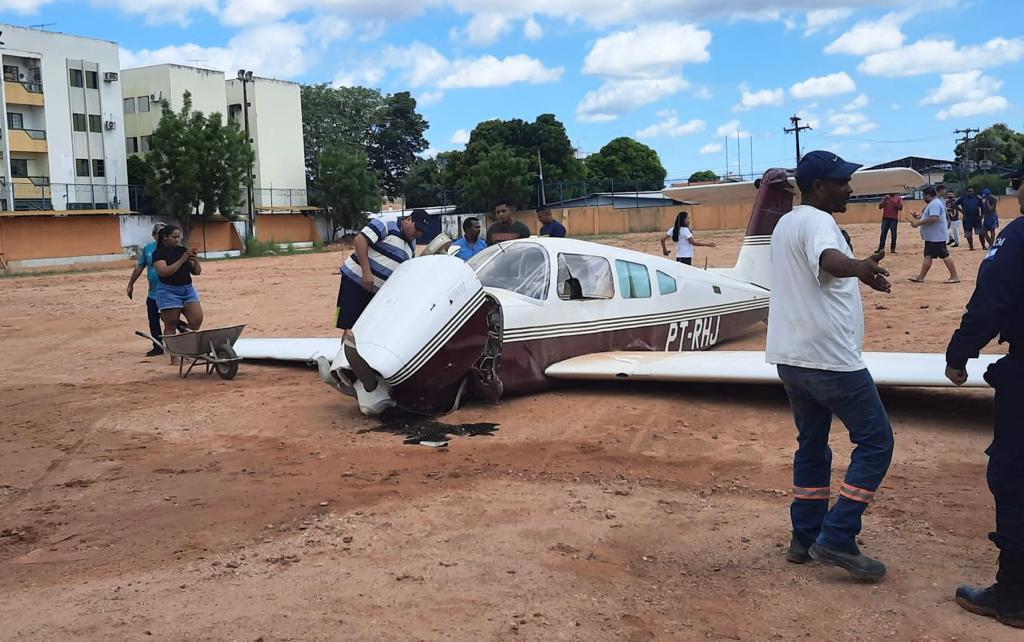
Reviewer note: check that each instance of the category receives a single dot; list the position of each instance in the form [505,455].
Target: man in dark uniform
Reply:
[997,307]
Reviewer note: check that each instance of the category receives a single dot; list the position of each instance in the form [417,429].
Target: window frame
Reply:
[559,260]
[79,164]
[79,122]
[131,144]
[488,258]
[76,74]
[99,168]
[16,174]
[95,124]
[12,73]
[11,117]
[632,272]
[661,290]
[144,144]
[129,101]
[139,103]
[92,80]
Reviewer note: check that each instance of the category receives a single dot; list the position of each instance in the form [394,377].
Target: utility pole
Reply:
[796,129]
[540,169]
[966,140]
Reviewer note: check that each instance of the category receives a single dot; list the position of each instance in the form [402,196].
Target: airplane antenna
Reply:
[42,27]
[705,264]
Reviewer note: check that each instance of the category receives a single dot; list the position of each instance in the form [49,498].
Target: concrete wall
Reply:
[287,228]
[84,237]
[171,82]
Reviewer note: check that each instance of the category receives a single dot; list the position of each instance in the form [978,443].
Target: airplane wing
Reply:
[887,368]
[867,181]
[302,350]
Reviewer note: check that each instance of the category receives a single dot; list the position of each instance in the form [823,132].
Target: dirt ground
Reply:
[136,505]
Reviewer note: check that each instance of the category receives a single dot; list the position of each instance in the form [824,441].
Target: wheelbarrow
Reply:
[211,348]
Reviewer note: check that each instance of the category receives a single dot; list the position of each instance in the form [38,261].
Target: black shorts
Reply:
[685,259]
[352,300]
[935,249]
[972,224]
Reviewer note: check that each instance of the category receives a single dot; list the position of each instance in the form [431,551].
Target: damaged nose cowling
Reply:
[430,332]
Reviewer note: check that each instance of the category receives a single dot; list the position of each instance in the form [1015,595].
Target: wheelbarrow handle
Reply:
[151,338]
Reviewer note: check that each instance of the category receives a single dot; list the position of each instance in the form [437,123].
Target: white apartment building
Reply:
[274,114]
[61,123]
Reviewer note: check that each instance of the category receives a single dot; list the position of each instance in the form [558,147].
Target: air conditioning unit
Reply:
[110,76]
[156,96]
[109,125]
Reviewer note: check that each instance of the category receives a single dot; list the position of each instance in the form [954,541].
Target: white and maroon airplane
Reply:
[523,314]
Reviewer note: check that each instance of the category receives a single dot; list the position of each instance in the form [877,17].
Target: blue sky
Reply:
[876,80]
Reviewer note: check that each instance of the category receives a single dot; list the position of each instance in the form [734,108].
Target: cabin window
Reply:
[522,268]
[584,277]
[634,281]
[666,284]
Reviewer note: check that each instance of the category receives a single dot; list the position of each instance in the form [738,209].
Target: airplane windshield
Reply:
[517,267]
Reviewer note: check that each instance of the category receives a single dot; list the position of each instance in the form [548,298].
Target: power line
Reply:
[966,140]
[876,140]
[796,129]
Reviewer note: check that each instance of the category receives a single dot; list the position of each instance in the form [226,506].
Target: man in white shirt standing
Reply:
[934,233]
[815,337]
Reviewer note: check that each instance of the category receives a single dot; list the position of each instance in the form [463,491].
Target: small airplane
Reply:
[523,314]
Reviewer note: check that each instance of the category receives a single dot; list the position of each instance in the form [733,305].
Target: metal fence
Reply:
[268,198]
[40,194]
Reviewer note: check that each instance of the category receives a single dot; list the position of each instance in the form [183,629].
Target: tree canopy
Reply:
[499,176]
[703,176]
[998,143]
[629,164]
[349,188]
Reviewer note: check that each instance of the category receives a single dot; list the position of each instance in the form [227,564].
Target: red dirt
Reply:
[136,505]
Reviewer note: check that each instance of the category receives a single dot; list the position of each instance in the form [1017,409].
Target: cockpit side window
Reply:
[666,284]
[634,281]
[581,276]
[522,268]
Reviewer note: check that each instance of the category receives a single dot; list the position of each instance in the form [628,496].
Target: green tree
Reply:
[139,176]
[627,164]
[395,137]
[499,176]
[998,143]
[197,164]
[349,188]
[703,176]
[422,185]
[991,181]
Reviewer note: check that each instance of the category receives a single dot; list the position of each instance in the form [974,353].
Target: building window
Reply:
[76,77]
[15,120]
[82,167]
[91,79]
[132,144]
[143,144]
[95,124]
[78,122]
[129,105]
[143,103]
[19,168]
[99,168]
[11,73]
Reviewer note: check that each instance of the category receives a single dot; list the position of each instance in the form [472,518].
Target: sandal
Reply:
[915,279]
[951,281]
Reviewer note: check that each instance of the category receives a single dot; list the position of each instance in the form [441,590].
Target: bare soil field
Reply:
[135,505]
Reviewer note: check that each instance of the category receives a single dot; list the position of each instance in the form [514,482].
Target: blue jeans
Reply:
[815,396]
[888,225]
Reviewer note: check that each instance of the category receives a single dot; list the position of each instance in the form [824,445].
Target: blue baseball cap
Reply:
[986,192]
[421,219]
[822,164]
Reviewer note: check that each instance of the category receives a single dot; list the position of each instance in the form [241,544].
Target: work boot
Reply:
[858,565]
[797,553]
[992,602]
[155,352]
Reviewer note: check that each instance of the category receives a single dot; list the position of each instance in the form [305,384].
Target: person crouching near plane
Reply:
[684,239]
[470,244]
[175,266]
[507,227]
[145,263]
[379,249]
[548,225]
[997,307]
[815,337]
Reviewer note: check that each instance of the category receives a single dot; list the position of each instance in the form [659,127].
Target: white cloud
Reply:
[860,102]
[161,11]
[329,29]
[672,128]
[425,66]
[895,106]
[616,97]
[934,56]
[246,50]
[761,98]
[460,137]
[651,51]
[484,29]
[987,105]
[847,123]
[703,93]
[830,85]
[428,98]
[821,18]
[809,118]
[711,148]
[532,29]
[731,129]
[870,37]
[956,88]
[26,6]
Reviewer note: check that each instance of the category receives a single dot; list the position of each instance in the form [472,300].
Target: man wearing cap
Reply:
[997,307]
[815,337]
[145,262]
[379,249]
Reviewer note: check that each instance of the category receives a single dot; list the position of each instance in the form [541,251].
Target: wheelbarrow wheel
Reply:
[229,369]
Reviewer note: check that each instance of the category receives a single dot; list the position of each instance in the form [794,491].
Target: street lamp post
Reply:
[245,77]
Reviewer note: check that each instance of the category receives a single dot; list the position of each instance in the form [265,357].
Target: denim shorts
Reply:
[174,297]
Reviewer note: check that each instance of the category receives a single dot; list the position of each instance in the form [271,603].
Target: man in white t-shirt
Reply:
[815,336]
[934,232]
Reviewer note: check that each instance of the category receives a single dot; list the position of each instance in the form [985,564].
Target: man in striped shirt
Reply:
[379,249]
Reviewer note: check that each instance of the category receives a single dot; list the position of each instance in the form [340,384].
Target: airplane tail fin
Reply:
[774,198]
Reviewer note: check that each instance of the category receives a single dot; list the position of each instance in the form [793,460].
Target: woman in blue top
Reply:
[175,265]
[145,262]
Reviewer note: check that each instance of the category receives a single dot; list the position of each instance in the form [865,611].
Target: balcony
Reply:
[23,93]
[32,141]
